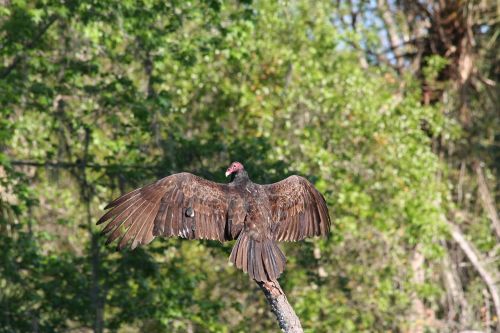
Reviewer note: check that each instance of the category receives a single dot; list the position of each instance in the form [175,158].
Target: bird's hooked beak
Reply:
[228,173]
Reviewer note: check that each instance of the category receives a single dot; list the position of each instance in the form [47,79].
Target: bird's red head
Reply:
[234,168]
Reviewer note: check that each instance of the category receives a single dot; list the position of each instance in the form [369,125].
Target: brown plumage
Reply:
[257,216]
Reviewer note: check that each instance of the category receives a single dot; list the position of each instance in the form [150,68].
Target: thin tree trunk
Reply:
[392,33]
[287,319]
[97,298]
[95,292]
[417,320]
[487,276]
[487,199]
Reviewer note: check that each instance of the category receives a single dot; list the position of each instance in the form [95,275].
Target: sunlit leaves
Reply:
[138,90]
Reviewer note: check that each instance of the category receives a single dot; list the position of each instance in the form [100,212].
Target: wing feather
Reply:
[134,225]
[161,209]
[298,209]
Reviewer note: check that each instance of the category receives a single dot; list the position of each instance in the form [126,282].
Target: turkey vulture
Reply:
[257,216]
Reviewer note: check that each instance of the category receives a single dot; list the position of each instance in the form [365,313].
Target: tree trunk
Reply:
[417,305]
[96,288]
[458,308]
[487,199]
[95,255]
[287,319]
[392,33]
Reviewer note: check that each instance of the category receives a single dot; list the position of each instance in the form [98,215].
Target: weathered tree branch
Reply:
[70,165]
[488,277]
[287,319]
[392,34]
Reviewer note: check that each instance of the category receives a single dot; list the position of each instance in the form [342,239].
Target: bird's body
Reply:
[257,223]
[257,216]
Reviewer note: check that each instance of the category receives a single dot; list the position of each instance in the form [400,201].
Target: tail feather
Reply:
[262,260]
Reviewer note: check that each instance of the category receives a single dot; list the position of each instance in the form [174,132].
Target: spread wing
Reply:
[178,205]
[298,209]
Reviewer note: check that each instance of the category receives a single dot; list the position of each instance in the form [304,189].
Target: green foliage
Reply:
[124,92]
[435,64]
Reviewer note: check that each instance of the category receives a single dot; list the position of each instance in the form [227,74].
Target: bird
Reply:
[256,216]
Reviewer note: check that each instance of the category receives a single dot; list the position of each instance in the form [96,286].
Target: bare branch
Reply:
[70,165]
[287,319]
[472,254]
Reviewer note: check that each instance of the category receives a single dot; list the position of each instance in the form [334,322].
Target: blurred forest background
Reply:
[390,107]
